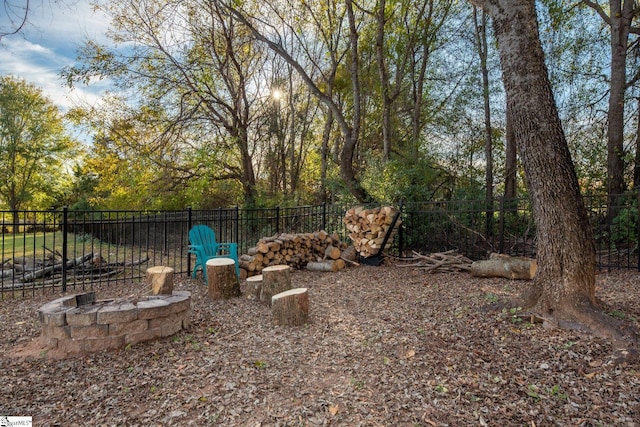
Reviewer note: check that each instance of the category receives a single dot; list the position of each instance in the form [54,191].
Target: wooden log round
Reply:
[290,308]
[255,284]
[275,279]
[331,252]
[160,279]
[222,279]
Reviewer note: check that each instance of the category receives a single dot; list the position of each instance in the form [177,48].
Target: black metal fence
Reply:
[115,246]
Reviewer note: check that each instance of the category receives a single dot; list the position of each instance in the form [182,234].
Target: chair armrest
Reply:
[198,250]
[229,247]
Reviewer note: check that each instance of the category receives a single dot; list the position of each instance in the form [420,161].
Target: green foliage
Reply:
[406,180]
[33,144]
[491,297]
[532,391]
[624,226]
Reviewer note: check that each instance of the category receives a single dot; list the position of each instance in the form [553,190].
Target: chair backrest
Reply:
[204,236]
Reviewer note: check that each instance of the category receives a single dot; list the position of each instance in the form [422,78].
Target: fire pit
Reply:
[78,323]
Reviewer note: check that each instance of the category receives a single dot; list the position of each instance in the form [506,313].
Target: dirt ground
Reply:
[385,346]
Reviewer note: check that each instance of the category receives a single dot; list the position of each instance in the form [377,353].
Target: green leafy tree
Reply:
[33,144]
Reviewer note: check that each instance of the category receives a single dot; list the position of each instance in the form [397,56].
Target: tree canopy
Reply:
[34,146]
[378,100]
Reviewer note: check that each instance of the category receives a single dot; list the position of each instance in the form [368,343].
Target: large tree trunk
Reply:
[619,19]
[510,163]
[563,290]
[482,46]
[620,22]
[636,167]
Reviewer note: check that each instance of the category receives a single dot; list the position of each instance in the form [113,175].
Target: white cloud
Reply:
[49,43]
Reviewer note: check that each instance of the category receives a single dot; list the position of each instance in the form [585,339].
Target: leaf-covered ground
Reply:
[386,346]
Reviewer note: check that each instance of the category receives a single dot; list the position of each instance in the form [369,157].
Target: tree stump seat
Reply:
[222,278]
[291,308]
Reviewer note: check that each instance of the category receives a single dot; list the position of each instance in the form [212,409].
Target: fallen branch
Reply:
[57,267]
[449,261]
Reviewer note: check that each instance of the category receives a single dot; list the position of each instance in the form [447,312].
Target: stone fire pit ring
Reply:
[78,323]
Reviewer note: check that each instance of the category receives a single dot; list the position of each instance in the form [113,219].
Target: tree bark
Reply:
[619,20]
[563,290]
[500,265]
[160,279]
[291,308]
[275,279]
[636,168]
[482,46]
[222,280]
[511,163]
[255,284]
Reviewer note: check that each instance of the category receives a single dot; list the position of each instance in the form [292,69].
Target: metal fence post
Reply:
[277,219]
[189,225]
[638,228]
[236,227]
[501,222]
[401,234]
[324,216]
[65,232]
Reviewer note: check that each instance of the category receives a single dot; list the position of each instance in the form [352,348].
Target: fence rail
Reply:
[116,246]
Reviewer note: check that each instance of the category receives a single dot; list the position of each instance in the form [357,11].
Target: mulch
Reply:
[385,346]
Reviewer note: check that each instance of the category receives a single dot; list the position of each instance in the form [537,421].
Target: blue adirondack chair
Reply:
[203,244]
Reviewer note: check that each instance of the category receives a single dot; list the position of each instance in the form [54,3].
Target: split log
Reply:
[160,279]
[369,227]
[500,265]
[290,308]
[275,279]
[222,279]
[349,253]
[332,252]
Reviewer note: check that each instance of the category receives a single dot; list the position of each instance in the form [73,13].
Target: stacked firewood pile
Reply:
[318,251]
[20,270]
[368,228]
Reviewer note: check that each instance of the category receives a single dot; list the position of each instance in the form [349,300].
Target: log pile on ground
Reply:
[439,262]
[20,270]
[295,250]
[368,228]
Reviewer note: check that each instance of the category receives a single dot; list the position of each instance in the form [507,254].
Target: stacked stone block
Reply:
[78,323]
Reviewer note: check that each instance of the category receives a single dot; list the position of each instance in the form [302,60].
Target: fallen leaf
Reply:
[333,409]
[410,354]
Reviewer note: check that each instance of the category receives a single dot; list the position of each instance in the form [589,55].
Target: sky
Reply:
[55,31]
